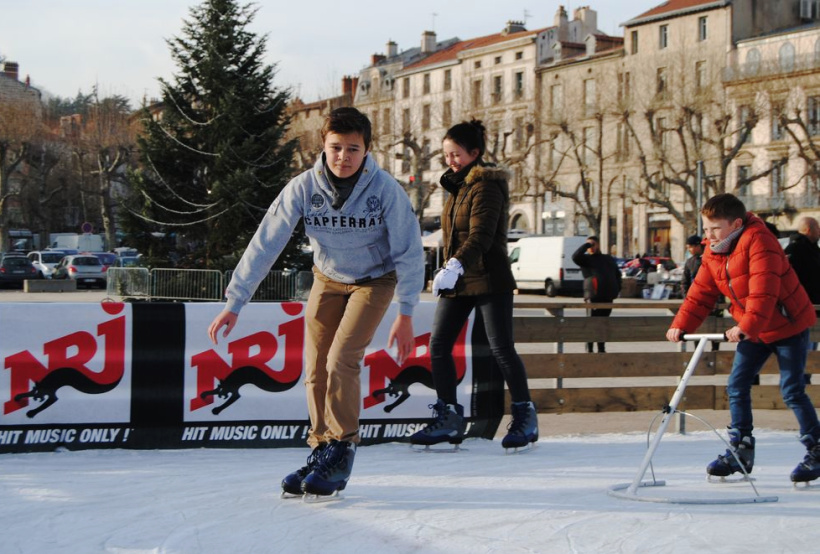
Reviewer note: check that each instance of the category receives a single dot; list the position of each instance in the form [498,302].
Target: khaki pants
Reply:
[341,321]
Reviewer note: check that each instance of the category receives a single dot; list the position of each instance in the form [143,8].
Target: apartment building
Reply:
[623,136]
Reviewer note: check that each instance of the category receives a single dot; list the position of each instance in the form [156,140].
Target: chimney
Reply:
[11,70]
[376,58]
[354,83]
[588,18]
[347,83]
[428,42]
[513,27]
[392,49]
[562,22]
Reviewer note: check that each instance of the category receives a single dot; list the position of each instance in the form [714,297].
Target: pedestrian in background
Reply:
[602,279]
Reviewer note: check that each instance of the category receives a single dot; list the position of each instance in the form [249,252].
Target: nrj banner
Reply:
[145,375]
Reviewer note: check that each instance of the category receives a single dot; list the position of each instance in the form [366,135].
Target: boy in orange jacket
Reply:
[773,314]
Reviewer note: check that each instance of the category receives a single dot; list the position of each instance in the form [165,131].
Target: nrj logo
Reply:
[250,363]
[67,365]
[388,378]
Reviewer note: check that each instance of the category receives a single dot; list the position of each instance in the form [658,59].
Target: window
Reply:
[742,183]
[386,121]
[374,120]
[662,84]
[448,79]
[634,43]
[786,56]
[405,87]
[623,87]
[744,115]
[426,84]
[425,155]
[498,89]
[556,101]
[813,180]
[518,134]
[477,86]
[702,28]
[778,131]
[406,155]
[778,179]
[555,154]
[663,36]
[447,113]
[477,64]
[662,133]
[519,55]
[519,85]
[425,117]
[813,115]
[622,142]
[752,62]
[700,75]
[497,60]
[590,101]
[405,121]
[588,146]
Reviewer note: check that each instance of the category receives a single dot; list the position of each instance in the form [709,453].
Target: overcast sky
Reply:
[68,46]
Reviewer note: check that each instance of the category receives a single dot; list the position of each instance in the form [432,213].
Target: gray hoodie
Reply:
[373,233]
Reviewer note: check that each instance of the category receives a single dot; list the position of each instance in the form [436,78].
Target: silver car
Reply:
[86,269]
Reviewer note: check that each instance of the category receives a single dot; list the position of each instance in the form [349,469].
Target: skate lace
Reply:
[519,419]
[332,457]
[439,415]
[313,459]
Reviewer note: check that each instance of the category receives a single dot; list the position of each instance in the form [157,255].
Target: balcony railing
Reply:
[778,203]
[770,67]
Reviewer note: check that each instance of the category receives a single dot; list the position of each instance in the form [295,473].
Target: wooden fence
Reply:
[559,329]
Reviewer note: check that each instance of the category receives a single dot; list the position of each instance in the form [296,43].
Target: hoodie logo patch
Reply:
[317,201]
[373,204]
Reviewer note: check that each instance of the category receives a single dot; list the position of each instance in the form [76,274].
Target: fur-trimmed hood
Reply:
[451,181]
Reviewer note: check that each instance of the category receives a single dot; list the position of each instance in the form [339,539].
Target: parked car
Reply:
[85,269]
[15,268]
[128,261]
[44,261]
[107,258]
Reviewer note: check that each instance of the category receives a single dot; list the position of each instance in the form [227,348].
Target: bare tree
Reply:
[19,125]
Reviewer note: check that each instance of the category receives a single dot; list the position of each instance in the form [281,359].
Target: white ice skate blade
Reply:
[443,448]
[729,479]
[308,498]
[806,485]
[289,496]
[519,449]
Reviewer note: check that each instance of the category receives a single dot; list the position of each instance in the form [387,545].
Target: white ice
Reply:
[552,499]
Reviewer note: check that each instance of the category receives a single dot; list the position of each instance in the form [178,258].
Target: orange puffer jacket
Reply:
[766,298]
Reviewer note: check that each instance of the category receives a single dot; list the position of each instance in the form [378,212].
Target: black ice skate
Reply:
[292,483]
[741,451]
[447,426]
[331,473]
[523,428]
[809,469]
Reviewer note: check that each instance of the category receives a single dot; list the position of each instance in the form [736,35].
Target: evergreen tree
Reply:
[215,156]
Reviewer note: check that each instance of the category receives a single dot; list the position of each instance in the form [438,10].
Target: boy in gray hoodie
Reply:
[366,247]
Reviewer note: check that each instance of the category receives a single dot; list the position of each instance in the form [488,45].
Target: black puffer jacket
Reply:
[602,278]
[474,226]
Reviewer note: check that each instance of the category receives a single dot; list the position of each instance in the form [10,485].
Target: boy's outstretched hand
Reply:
[225,319]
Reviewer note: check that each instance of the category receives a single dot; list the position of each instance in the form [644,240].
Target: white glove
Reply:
[446,279]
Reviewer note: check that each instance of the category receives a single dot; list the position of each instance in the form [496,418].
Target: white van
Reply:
[545,263]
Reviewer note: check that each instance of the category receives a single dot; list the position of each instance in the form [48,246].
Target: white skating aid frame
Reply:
[629,491]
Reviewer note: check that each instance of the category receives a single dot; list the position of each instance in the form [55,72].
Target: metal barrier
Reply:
[199,284]
[128,282]
[186,284]
[278,286]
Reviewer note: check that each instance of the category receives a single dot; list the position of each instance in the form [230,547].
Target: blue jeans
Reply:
[791,358]
[496,310]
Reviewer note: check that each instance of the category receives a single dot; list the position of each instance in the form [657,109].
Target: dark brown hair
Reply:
[343,121]
[470,135]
